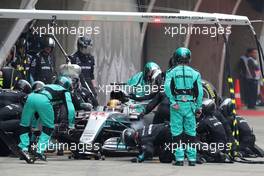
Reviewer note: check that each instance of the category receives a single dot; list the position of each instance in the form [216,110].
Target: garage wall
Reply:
[207,51]
[117,49]
[158,46]
[6,24]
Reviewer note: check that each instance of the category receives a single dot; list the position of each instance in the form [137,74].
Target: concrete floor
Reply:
[121,166]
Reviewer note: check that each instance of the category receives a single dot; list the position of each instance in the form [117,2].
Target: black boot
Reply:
[40,156]
[178,163]
[24,155]
[192,163]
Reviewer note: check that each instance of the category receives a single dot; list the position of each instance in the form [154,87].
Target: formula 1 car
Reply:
[100,130]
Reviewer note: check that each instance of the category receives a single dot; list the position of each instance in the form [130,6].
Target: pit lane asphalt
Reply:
[121,166]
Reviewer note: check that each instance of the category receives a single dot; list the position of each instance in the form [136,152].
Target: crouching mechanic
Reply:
[151,139]
[184,89]
[42,102]
[247,146]
[213,142]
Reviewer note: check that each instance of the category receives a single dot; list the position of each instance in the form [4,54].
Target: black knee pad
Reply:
[23,130]
[252,139]
[47,130]
[166,156]
[148,150]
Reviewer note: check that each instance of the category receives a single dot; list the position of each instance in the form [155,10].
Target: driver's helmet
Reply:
[113,103]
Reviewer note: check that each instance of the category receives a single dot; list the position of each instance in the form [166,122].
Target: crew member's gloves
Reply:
[198,112]
[176,106]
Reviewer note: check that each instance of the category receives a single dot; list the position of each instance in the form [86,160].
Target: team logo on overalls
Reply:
[184,99]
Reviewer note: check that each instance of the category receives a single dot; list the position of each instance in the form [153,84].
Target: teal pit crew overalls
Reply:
[42,102]
[184,89]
